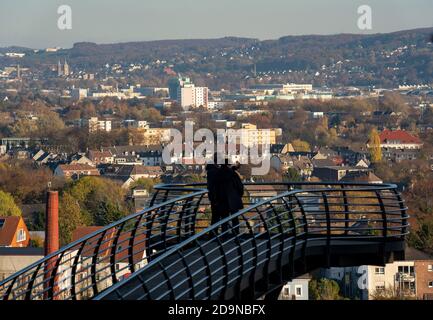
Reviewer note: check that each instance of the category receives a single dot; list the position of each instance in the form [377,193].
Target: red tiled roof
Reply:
[78,167]
[99,154]
[7,231]
[399,135]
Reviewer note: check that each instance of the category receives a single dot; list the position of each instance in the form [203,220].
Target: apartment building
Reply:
[251,136]
[187,94]
[190,96]
[151,136]
[410,279]
[94,124]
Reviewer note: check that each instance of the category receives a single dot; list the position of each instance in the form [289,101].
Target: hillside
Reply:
[344,59]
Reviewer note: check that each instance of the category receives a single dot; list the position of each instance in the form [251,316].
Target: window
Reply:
[379,270]
[286,291]
[21,235]
[405,269]
[2,222]
[430,267]
[380,288]
[298,291]
[430,284]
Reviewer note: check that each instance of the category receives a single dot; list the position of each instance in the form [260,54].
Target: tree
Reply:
[70,217]
[324,289]
[422,238]
[8,206]
[374,146]
[292,175]
[146,183]
[101,201]
[301,146]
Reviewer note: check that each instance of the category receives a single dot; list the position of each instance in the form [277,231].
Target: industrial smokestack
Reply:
[52,223]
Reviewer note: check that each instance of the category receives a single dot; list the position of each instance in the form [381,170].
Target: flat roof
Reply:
[26,251]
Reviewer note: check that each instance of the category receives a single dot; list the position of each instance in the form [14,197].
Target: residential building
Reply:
[79,94]
[424,279]
[336,173]
[302,164]
[251,136]
[257,193]
[94,125]
[13,260]
[362,177]
[75,171]
[13,232]
[412,278]
[151,157]
[100,156]
[151,136]
[399,139]
[128,174]
[80,158]
[297,289]
[188,95]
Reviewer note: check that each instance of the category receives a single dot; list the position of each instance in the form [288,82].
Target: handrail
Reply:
[330,231]
[100,237]
[103,261]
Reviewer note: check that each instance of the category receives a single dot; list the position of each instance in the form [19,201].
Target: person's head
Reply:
[236,166]
[220,159]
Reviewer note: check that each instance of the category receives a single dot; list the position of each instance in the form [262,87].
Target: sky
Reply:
[33,23]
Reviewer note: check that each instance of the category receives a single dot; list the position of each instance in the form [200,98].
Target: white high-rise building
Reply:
[94,125]
[190,96]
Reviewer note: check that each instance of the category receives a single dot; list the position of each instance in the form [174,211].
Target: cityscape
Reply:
[110,188]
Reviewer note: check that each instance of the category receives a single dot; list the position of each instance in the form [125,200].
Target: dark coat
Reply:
[212,174]
[225,190]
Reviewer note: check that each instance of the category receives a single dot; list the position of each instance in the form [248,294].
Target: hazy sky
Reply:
[33,23]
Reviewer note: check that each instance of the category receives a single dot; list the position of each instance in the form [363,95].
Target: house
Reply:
[281,148]
[13,260]
[127,160]
[336,173]
[141,197]
[412,278]
[362,177]
[128,174]
[151,157]
[100,156]
[79,158]
[3,149]
[75,171]
[42,157]
[424,278]
[398,155]
[297,289]
[399,139]
[365,163]
[13,232]
[257,193]
[301,164]
[352,157]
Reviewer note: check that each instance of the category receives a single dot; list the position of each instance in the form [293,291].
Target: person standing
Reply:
[212,176]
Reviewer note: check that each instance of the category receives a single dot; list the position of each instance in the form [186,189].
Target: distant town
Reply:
[96,131]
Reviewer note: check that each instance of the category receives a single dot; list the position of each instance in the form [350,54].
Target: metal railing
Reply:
[88,266]
[158,243]
[259,245]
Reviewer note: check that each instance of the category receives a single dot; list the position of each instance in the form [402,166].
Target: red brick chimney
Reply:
[52,223]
